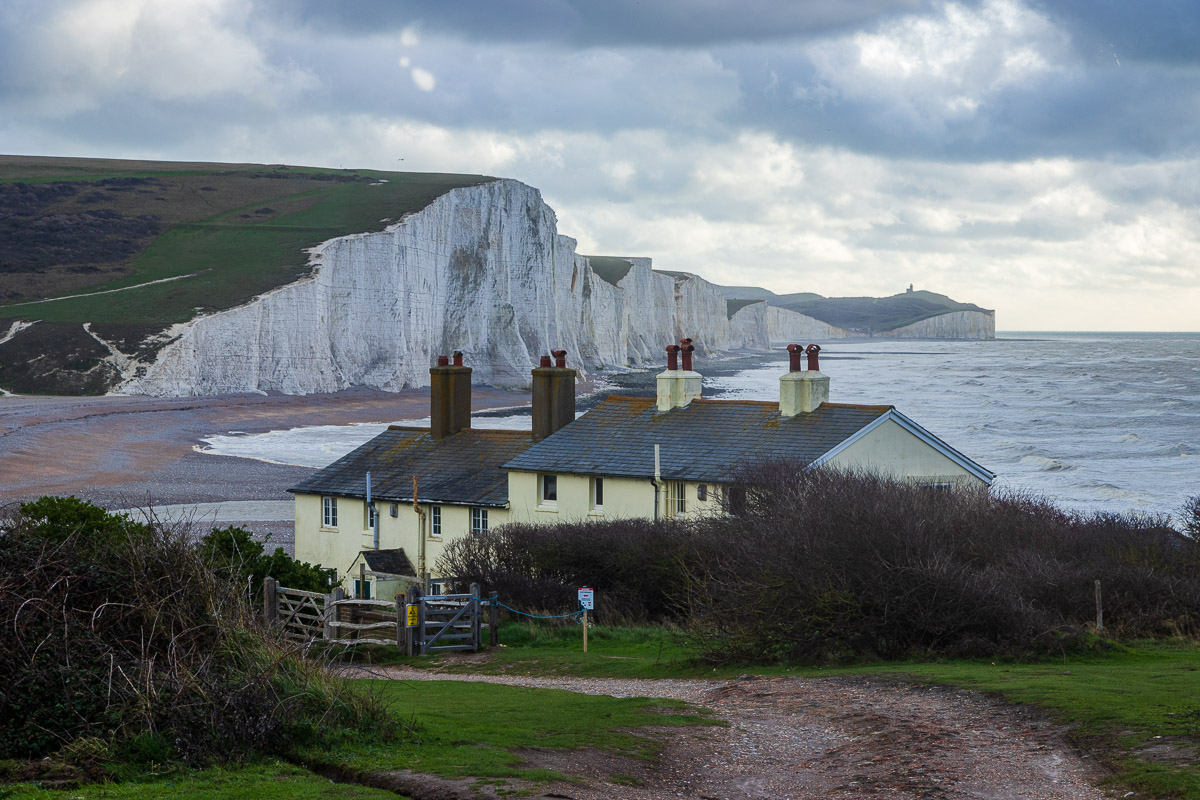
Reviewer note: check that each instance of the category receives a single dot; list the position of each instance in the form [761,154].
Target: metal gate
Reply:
[448,622]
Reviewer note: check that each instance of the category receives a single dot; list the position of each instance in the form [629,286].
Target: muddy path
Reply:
[803,738]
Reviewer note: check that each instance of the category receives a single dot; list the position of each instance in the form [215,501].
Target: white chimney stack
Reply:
[802,391]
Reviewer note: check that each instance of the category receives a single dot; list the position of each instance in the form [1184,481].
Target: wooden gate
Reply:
[444,622]
[300,615]
[447,622]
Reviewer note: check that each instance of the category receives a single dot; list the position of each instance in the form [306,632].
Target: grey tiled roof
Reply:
[707,440]
[462,469]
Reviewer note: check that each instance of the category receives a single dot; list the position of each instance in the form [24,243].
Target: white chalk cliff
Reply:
[483,270]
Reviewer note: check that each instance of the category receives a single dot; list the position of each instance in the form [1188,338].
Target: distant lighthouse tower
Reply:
[909,289]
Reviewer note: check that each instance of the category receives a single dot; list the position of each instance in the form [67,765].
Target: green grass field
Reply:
[460,730]
[236,230]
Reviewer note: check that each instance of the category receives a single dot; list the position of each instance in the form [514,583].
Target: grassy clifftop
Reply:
[177,238]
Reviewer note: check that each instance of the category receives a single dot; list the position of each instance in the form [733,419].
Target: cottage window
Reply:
[549,489]
[435,521]
[479,523]
[597,493]
[328,512]
[371,516]
[702,492]
[362,589]
[680,497]
[735,500]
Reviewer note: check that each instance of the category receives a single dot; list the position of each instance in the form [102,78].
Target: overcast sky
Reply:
[1039,157]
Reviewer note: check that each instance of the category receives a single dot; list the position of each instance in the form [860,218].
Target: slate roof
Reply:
[462,469]
[388,562]
[707,440]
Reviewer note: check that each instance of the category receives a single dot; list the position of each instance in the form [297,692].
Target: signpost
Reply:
[587,599]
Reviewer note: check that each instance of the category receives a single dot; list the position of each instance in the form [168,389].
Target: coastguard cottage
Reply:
[674,455]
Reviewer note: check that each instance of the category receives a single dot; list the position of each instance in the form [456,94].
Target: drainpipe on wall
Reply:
[374,516]
[420,532]
[655,480]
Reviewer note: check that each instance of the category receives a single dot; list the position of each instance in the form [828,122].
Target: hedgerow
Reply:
[821,565]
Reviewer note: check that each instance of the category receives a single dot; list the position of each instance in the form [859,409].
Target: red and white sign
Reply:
[587,598]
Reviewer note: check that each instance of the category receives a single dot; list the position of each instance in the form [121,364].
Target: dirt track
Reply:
[803,739]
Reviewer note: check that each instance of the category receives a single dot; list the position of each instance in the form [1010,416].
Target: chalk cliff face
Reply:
[482,270]
[954,325]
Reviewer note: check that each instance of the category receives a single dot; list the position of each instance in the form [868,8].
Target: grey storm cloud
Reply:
[588,23]
[1005,151]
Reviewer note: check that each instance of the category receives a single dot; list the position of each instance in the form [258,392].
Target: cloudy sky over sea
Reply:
[1040,158]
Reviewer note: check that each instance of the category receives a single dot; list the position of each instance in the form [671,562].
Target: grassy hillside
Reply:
[214,234]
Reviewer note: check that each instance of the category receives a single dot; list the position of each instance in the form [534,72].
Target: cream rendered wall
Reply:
[339,547]
[624,498]
[892,450]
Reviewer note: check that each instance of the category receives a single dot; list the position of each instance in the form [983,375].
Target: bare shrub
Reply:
[824,565]
[820,565]
[637,566]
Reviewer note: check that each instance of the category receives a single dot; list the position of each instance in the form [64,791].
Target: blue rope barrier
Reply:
[536,616]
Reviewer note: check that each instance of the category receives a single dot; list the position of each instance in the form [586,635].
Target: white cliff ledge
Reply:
[483,270]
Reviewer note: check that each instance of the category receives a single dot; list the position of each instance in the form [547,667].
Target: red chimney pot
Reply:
[458,358]
[672,356]
[795,353]
[811,352]
[443,361]
[544,362]
[686,349]
[560,358]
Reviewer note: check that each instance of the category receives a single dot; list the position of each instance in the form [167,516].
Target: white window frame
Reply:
[597,494]
[547,485]
[371,514]
[358,584]
[329,512]
[479,521]
[680,505]
[435,520]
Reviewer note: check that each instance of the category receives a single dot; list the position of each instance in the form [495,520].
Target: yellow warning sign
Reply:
[412,616]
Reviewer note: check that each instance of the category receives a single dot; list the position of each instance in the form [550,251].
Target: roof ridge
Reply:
[861,406]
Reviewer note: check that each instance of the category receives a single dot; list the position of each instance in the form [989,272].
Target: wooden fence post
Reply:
[270,601]
[331,611]
[476,617]
[494,620]
[1099,610]
[416,634]
[401,624]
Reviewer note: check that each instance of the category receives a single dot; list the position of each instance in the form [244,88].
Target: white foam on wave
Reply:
[320,445]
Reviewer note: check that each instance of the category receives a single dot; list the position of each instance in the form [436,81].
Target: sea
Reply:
[1095,422]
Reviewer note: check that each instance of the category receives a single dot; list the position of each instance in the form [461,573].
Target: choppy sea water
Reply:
[1096,422]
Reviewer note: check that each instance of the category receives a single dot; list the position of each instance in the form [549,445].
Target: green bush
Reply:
[236,553]
[121,639]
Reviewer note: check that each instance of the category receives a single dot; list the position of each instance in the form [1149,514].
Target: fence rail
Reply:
[443,622]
